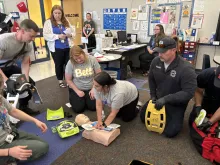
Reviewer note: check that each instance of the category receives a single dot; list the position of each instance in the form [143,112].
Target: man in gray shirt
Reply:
[14,46]
[88,31]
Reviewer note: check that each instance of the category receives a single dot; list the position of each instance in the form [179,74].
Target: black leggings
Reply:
[8,71]
[79,104]
[91,42]
[129,111]
[60,58]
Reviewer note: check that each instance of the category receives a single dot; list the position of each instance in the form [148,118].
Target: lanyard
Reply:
[61,32]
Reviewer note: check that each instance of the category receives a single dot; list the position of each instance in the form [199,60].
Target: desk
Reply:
[122,49]
[130,54]
[107,58]
[216,59]
[111,58]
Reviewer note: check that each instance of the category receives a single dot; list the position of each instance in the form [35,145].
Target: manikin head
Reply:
[81,119]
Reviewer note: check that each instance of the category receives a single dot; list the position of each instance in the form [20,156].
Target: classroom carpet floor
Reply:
[134,142]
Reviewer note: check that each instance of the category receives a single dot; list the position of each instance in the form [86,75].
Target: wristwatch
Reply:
[104,125]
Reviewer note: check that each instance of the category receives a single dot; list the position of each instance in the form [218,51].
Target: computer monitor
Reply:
[122,36]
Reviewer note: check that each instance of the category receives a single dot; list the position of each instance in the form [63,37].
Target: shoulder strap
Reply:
[16,56]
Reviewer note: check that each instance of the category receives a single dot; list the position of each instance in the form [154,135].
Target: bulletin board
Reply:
[115,18]
[167,14]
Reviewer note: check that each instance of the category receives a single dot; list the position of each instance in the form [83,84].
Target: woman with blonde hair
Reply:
[79,74]
[59,34]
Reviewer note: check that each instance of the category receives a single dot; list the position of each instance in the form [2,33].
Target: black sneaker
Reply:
[28,110]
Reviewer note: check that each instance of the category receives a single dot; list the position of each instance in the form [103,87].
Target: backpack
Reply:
[207,144]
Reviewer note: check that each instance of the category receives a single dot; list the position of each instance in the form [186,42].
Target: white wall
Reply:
[11,6]
[211,13]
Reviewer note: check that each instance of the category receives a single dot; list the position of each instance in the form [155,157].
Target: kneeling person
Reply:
[207,97]
[80,71]
[172,82]
[120,96]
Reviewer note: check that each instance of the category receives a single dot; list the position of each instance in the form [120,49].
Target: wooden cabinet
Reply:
[73,12]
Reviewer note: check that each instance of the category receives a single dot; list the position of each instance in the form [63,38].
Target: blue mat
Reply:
[57,145]
[139,83]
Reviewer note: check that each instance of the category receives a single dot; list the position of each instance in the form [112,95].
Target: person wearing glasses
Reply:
[59,35]
[146,58]
[172,82]
[79,74]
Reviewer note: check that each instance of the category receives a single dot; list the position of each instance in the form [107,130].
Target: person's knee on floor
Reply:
[78,109]
[172,130]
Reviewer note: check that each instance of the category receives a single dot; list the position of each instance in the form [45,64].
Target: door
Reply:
[39,11]
[73,12]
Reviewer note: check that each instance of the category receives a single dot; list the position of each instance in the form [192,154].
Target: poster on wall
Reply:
[185,11]
[136,25]
[197,21]
[199,6]
[142,16]
[150,2]
[155,16]
[115,18]
[164,17]
[144,25]
[172,16]
[134,13]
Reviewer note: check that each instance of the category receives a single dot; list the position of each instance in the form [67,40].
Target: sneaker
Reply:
[200,118]
[28,110]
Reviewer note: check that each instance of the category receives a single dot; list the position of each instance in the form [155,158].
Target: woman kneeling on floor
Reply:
[121,96]
[80,71]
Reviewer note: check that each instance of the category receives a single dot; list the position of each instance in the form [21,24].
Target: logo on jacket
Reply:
[159,67]
[173,73]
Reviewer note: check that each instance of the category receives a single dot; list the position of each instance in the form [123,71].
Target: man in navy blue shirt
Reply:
[207,96]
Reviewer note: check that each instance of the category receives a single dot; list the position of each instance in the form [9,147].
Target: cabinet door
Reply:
[73,12]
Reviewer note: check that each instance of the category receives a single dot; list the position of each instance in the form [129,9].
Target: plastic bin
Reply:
[113,72]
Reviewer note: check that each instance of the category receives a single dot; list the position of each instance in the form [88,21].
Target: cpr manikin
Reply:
[96,135]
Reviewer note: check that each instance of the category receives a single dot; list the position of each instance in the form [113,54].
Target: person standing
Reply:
[15,46]
[89,31]
[59,34]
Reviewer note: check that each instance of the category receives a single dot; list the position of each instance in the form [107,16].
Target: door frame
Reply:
[47,58]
